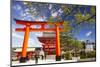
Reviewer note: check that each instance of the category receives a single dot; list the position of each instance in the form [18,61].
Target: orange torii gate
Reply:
[28,29]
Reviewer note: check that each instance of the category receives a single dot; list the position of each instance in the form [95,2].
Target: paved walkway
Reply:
[50,59]
[14,63]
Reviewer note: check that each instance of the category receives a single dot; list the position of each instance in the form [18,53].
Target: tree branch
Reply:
[87,19]
[70,12]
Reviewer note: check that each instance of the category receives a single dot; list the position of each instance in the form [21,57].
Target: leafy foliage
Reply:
[66,26]
[80,14]
[91,54]
[67,55]
[69,43]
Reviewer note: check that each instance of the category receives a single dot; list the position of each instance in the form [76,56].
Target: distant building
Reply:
[90,46]
[16,53]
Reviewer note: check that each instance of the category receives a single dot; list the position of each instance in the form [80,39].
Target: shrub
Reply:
[82,55]
[67,56]
[91,54]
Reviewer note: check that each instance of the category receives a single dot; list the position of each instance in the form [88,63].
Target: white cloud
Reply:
[38,34]
[23,14]
[40,18]
[88,33]
[55,14]
[17,7]
[17,41]
[25,3]
[60,11]
[26,10]
[17,35]
[50,6]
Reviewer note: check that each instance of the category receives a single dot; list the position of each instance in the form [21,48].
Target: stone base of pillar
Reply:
[58,58]
[23,59]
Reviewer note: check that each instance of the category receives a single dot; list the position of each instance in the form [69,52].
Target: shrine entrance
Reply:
[28,28]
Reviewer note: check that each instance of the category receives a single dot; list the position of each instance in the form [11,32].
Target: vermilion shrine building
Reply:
[49,42]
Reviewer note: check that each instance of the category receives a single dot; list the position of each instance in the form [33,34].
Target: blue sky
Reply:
[19,11]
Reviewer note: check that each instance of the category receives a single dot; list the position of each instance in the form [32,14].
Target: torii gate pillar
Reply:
[58,51]
[25,44]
